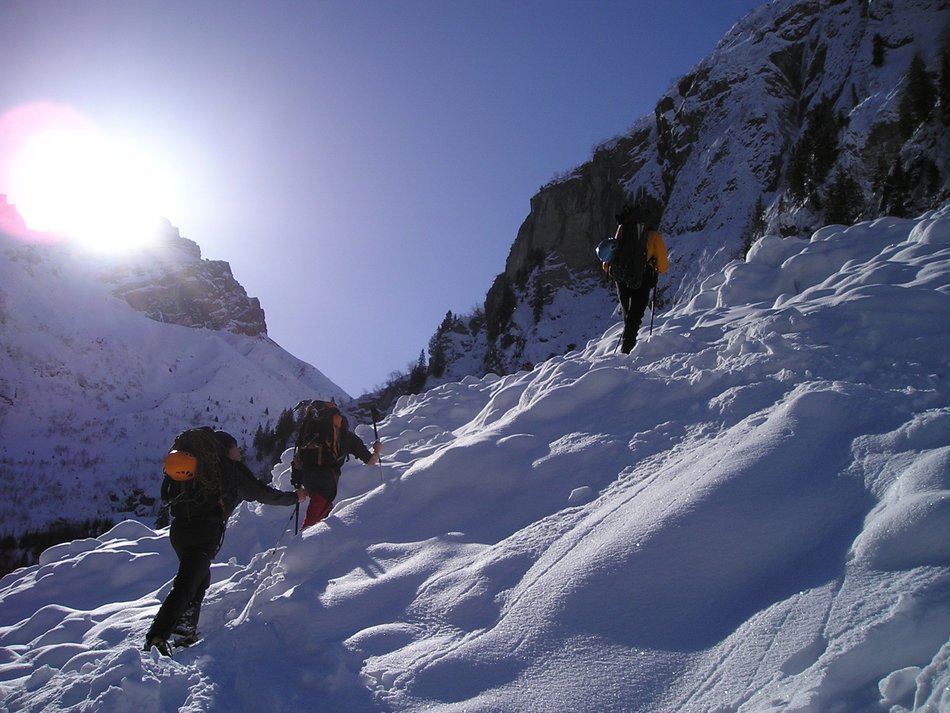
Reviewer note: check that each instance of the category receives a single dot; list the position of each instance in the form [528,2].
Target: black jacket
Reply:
[323,480]
[354,446]
[216,501]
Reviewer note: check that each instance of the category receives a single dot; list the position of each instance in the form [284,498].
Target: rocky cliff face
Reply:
[171,283]
[800,117]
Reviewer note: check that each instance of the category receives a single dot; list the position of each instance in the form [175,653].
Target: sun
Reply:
[67,177]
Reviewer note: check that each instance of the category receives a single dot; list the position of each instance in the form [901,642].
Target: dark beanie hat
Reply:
[625,213]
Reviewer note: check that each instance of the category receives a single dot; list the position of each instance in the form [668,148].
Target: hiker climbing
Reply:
[634,258]
[204,482]
[324,443]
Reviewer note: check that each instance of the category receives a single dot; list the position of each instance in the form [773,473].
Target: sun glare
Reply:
[68,178]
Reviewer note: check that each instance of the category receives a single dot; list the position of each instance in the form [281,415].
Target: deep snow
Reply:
[749,513]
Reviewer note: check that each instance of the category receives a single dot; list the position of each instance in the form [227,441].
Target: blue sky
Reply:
[363,166]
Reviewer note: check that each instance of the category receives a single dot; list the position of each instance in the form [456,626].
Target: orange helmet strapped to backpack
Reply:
[180,465]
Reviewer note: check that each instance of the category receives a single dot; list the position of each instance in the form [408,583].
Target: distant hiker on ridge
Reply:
[634,258]
[324,443]
[205,481]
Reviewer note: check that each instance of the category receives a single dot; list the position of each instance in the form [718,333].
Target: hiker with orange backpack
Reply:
[634,258]
[205,481]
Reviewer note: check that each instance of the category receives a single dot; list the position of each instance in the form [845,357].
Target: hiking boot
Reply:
[159,643]
[186,631]
[182,640]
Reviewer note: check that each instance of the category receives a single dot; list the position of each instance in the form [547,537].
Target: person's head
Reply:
[625,214]
[229,443]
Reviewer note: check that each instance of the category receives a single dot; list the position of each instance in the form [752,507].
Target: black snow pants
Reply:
[196,542]
[633,302]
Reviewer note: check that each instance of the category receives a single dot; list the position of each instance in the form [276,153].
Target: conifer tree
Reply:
[816,151]
[500,317]
[894,192]
[844,199]
[540,295]
[437,361]
[437,356]
[878,51]
[417,374]
[943,89]
[918,98]
[756,227]
[286,425]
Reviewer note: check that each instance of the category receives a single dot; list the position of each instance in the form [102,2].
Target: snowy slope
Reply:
[92,391]
[749,514]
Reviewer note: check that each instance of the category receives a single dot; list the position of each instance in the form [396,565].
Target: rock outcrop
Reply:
[171,283]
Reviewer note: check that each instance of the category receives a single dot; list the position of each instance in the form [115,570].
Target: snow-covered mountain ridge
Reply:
[91,391]
[798,118]
[747,514]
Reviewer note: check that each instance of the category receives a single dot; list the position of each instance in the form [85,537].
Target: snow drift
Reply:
[749,513]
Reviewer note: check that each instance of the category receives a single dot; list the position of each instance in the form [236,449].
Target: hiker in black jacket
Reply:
[633,290]
[196,534]
[324,443]
[320,482]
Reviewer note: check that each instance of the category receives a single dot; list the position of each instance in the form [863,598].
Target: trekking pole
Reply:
[296,486]
[376,435]
[286,526]
[652,310]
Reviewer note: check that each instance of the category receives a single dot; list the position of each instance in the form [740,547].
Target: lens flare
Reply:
[67,177]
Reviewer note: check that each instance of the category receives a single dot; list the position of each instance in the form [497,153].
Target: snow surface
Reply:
[749,513]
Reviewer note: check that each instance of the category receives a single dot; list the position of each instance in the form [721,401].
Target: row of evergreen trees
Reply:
[902,180]
[24,550]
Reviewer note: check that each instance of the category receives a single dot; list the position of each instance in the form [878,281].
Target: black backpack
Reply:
[630,261]
[193,468]
[319,439]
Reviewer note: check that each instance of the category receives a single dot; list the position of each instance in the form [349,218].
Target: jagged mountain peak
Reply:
[166,278]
